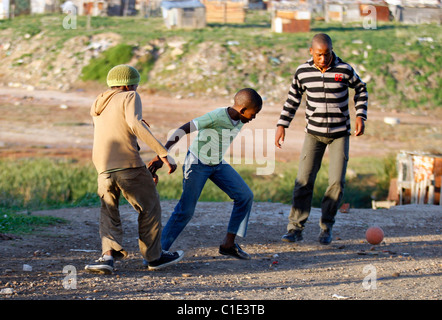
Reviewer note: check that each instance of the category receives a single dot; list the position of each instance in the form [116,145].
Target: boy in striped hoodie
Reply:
[325,79]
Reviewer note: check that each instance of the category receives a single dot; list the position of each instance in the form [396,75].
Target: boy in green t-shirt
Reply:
[204,160]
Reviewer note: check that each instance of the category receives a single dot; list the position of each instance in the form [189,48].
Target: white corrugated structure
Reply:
[190,14]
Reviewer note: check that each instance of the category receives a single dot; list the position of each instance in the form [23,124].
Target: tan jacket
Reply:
[118,122]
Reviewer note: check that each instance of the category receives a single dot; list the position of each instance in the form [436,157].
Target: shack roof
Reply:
[181,4]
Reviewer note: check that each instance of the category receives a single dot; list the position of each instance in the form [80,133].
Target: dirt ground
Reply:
[58,124]
[49,264]
[405,266]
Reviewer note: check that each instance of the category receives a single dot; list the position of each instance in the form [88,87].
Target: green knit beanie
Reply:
[122,75]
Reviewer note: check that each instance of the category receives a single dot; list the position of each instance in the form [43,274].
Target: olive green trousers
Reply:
[138,187]
[310,162]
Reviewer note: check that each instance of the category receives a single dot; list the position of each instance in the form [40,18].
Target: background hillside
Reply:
[400,63]
[51,75]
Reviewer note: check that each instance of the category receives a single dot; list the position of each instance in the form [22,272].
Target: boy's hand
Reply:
[157,163]
[170,162]
[155,178]
[280,136]
[154,165]
[359,126]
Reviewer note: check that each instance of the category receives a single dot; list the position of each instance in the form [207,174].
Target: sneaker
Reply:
[235,252]
[293,235]
[101,266]
[325,237]
[167,258]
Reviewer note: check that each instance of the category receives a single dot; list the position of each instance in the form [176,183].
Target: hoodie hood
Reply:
[102,101]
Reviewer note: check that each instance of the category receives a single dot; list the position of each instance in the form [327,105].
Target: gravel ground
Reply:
[49,265]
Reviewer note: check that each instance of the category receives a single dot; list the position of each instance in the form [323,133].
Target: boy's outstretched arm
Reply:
[179,133]
[156,163]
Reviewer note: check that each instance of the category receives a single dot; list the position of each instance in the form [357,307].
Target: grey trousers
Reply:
[309,165]
[138,187]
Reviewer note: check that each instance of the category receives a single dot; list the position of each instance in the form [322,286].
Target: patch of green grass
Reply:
[25,223]
[36,184]
[22,26]
[98,68]
[144,66]
[254,78]
[367,178]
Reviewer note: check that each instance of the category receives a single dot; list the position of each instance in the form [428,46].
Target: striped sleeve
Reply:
[292,103]
[361,95]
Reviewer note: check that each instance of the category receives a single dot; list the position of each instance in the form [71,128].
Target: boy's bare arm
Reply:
[156,163]
[179,133]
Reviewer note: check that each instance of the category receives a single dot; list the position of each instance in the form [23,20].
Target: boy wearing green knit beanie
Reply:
[118,123]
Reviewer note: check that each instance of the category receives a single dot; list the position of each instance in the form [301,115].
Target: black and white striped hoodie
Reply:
[327,97]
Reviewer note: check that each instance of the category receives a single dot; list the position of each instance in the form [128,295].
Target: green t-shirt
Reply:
[216,131]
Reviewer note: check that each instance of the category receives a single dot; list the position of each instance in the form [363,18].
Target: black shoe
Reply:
[325,237]
[293,235]
[235,251]
[101,266]
[167,258]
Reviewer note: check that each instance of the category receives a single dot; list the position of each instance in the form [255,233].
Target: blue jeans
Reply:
[195,175]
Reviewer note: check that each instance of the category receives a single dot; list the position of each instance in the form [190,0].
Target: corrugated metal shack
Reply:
[416,11]
[93,8]
[293,16]
[342,11]
[4,9]
[12,8]
[225,11]
[381,7]
[355,11]
[419,179]
[105,7]
[121,8]
[188,14]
